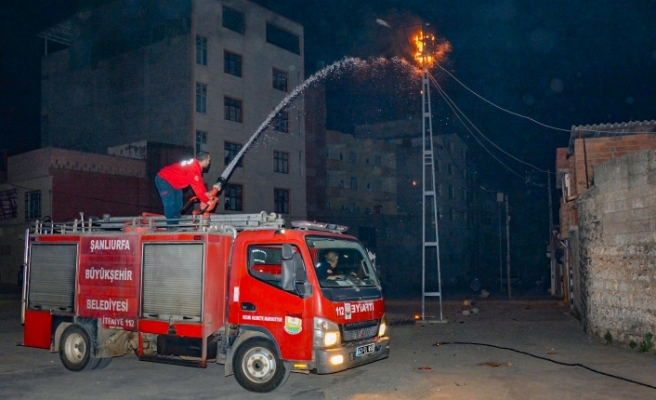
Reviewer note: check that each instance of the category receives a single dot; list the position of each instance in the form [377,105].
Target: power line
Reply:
[485,137]
[454,108]
[520,115]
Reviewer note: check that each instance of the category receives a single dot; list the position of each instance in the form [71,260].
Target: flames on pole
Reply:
[428,50]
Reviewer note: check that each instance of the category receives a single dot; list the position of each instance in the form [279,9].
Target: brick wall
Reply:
[598,150]
[617,242]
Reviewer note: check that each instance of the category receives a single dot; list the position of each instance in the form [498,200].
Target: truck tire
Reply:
[258,367]
[103,362]
[75,349]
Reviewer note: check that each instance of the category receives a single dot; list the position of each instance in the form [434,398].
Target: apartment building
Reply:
[198,73]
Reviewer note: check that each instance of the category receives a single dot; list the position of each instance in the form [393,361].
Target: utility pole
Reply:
[500,197]
[430,236]
[508,251]
[552,256]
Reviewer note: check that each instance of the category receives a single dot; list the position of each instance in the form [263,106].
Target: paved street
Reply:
[416,369]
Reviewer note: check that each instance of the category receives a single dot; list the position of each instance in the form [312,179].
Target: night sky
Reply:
[561,62]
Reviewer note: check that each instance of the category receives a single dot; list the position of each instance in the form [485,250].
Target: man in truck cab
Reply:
[173,178]
[326,269]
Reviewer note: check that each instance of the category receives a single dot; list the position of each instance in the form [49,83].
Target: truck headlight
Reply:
[326,333]
[383,326]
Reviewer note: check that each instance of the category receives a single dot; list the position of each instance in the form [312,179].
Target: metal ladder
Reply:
[156,223]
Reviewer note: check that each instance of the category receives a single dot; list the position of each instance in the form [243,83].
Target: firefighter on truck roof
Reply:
[173,178]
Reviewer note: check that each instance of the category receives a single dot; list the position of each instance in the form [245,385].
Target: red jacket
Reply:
[185,173]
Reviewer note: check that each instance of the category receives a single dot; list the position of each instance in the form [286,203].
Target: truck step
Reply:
[172,361]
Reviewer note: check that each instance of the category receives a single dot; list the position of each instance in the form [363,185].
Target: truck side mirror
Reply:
[287,252]
[293,273]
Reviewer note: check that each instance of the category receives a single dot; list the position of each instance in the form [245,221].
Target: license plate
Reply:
[366,349]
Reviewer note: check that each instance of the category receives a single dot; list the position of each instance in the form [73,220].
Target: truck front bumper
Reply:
[323,357]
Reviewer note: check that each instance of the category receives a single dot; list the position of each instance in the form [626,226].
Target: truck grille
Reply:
[359,330]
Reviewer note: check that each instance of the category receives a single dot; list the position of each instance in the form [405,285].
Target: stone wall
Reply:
[617,221]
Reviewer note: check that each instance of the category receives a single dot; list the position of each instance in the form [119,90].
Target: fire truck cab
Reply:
[239,290]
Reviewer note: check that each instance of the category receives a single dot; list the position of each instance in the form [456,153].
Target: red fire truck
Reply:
[239,290]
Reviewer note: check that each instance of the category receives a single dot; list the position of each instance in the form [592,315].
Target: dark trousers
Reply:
[171,199]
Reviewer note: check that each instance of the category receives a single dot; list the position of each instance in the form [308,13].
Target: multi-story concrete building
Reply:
[453,194]
[198,73]
[388,219]
[360,175]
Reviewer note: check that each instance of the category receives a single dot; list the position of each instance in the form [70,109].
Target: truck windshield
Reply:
[343,264]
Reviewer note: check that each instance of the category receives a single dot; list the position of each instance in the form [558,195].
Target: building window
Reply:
[279,80]
[281,162]
[230,151]
[354,183]
[8,204]
[281,121]
[352,157]
[234,20]
[32,205]
[233,197]
[281,201]
[283,39]
[232,109]
[449,169]
[201,98]
[201,141]
[232,63]
[438,165]
[450,191]
[201,50]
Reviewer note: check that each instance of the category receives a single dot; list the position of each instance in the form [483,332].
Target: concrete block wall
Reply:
[617,221]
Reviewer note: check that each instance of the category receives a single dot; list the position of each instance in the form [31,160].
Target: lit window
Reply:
[201,98]
[279,80]
[281,201]
[233,197]
[201,50]
[232,63]
[232,109]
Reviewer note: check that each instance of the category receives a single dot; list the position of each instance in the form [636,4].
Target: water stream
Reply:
[295,93]
[349,64]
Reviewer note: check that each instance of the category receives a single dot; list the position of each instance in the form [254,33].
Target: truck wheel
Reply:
[257,366]
[75,349]
[103,362]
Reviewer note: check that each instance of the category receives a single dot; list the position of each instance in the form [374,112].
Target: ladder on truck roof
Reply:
[159,223]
